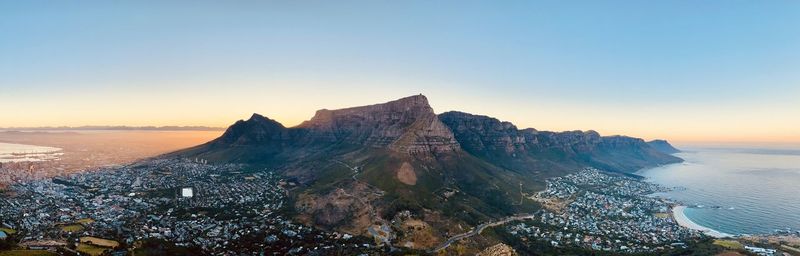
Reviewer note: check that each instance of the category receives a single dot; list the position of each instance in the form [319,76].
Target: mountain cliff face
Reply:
[663,146]
[404,125]
[486,136]
[407,126]
[503,144]
[360,166]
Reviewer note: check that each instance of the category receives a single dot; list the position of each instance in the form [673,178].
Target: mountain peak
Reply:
[257,129]
[256,116]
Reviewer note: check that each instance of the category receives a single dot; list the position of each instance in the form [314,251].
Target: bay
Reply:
[735,190]
[11,152]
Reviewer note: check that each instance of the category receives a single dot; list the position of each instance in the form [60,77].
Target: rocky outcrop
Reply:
[350,209]
[498,250]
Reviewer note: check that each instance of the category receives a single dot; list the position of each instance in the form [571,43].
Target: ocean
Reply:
[10,152]
[741,190]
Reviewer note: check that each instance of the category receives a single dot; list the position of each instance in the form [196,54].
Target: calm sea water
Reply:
[10,152]
[736,190]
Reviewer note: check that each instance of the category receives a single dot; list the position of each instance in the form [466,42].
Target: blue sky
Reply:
[688,70]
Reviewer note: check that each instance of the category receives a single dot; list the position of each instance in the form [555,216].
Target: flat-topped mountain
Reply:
[405,125]
[363,165]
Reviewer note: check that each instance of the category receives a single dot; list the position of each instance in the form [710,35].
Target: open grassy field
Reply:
[27,253]
[729,244]
[91,249]
[85,221]
[99,241]
[72,228]
[661,215]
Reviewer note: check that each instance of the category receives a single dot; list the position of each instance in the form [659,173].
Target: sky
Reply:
[724,71]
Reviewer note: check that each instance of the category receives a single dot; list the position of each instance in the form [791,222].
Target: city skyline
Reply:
[701,71]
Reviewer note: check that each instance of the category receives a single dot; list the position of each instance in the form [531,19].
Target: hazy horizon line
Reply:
[118,127]
[676,141]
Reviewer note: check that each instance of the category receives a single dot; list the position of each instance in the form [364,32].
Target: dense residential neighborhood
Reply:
[604,212]
[230,212]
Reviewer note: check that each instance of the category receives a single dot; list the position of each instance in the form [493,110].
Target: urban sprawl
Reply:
[230,209]
[218,209]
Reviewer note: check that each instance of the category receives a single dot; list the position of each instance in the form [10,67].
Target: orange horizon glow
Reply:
[293,107]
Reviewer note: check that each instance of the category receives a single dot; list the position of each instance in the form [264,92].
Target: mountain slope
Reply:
[501,143]
[663,146]
[363,165]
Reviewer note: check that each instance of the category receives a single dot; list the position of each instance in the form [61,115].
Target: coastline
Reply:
[680,217]
[17,152]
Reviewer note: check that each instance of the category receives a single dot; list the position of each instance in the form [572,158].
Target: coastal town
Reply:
[232,209]
[615,213]
[604,212]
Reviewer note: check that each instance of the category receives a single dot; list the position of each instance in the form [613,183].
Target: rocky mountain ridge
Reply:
[492,139]
[363,165]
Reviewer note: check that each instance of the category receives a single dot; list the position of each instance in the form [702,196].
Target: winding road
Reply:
[354,169]
[478,230]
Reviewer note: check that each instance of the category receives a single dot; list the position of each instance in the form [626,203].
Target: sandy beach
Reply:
[680,217]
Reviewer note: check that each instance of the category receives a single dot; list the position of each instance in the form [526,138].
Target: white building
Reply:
[187,192]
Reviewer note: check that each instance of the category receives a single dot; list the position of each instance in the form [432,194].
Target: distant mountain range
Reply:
[114,128]
[363,165]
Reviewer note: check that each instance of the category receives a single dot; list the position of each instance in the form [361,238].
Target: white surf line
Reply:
[680,217]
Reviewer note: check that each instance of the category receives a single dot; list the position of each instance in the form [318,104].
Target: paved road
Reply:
[478,230]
